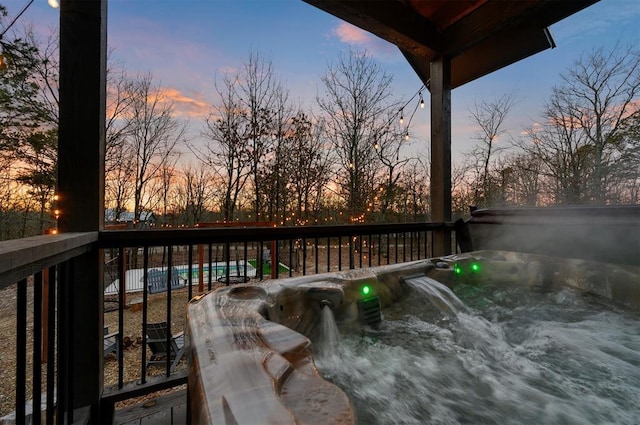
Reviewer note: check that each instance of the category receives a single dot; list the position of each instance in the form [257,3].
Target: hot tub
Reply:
[251,355]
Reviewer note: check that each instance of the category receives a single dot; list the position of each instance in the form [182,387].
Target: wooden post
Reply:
[440,88]
[81,146]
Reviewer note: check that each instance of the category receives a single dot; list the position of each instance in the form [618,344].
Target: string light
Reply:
[401,113]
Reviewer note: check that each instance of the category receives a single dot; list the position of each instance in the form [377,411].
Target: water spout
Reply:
[329,341]
[327,303]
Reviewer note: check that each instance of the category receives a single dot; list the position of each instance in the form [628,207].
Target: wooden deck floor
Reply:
[170,409]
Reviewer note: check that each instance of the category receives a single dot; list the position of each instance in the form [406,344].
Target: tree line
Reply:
[260,156]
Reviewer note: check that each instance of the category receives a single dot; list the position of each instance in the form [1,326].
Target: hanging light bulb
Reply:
[54,3]
[421,101]
[376,146]
[406,136]
[401,117]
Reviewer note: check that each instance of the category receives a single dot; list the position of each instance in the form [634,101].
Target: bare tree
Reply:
[600,92]
[195,192]
[388,146]
[167,192]
[153,137]
[274,172]
[120,96]
[226,149]
[414,181]
[488,116]
[357,102]
[119,155]
[580,138]
[259,95]
[519,179]
[308,167]
[119,182]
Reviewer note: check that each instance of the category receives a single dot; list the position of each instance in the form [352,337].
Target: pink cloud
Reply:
[351,34]
[348,33]
[186,105]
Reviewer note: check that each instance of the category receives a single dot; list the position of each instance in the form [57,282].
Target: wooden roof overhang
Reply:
[478,36]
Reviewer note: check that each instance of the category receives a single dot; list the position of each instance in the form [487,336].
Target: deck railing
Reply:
[189,261]
[35,273]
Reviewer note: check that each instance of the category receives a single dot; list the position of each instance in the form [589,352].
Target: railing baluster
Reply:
[63,342]
[246,259]
[21,351]
[169,275]
[304,257]
[411,236]
[190,271]
[145,296]
[388,248]
[68,324]
[211,270]
[404,246]
[351,259]
[227,261]
[316,254]
[396,238]
[426,243]
[37,348]
[259,260]
[339,253]
[291,242]
[328,254]
[51,343]
[276,246]
[122,275]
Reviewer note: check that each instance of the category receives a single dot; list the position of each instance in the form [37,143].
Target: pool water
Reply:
[503,355]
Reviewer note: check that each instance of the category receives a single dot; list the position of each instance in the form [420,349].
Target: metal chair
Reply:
[110,342]
[157,341]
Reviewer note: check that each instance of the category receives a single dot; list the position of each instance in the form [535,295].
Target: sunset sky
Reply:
[185,44]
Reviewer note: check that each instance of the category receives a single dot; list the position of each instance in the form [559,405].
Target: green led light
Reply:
[475,267]
[366,290]
[457,269]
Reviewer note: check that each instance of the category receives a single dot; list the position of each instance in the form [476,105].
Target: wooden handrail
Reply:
[21,258]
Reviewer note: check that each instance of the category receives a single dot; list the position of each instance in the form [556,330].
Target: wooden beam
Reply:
[441,152]
[484,58]
[391,20]
[81,146]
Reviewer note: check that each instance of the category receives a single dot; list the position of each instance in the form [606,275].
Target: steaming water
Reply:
[513,355]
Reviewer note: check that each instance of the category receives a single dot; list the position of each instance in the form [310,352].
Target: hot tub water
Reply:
[492,355]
